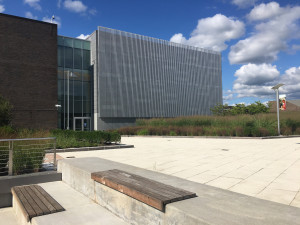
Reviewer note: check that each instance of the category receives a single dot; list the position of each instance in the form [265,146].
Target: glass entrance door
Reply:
[78,124]
[86,124]
[82,123]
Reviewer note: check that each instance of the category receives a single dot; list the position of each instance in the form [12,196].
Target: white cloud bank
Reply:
[34,4]
[82,36]
[253,74]
[212,33]
[276,26]
[257,81]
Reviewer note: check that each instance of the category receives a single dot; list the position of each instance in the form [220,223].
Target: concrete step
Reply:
[8,216]
[79,209]
[212,205]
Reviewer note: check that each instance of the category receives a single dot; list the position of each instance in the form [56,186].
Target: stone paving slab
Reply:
[262,168]
[7,216]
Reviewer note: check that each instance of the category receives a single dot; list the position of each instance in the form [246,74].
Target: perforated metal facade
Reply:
[144,77]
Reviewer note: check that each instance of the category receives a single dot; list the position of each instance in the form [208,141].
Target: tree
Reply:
[220,110]
[254,108]
[257,107]
[5,112]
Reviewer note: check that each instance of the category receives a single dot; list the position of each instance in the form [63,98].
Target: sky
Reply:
[259,40]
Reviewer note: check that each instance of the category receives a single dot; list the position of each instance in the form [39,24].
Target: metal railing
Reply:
[27,155]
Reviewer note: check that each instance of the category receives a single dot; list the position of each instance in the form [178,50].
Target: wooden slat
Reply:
[35,201]
[43,199]
[54,203]
[168,191]
[150,192]
[25,206]
[35,207]
[162,190]
[131,183]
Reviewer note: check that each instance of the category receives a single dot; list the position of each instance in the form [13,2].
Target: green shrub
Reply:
[4,154]
[5,112]
[292,124]
[143,132]
[70,138]
[172,133]
[243,125]
[28,157]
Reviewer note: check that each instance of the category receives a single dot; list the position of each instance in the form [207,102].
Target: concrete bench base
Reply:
[212,206]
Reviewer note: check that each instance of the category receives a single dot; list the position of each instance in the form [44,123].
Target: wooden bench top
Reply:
[148,191]
[35,201]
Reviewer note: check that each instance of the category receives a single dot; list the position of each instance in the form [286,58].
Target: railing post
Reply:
[10,158]
[54,152]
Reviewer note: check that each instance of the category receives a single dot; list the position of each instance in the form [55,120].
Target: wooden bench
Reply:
[148,191]
[35,201]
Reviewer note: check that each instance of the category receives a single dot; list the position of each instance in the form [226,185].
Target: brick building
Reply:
[291,105]
[28,70]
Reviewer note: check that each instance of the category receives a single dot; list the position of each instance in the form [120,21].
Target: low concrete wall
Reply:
[105,147]
[212,206]
[7,182]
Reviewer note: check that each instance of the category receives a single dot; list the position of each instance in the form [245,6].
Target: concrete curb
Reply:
[91,148]
[212,137]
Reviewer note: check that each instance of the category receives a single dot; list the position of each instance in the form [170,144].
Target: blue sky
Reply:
[259,40]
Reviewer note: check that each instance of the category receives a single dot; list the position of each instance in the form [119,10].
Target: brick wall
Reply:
[289,106]
[28,70]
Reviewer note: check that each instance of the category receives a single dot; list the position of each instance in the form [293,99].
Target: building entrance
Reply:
[82,123]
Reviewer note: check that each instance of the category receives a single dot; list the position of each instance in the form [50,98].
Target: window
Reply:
[86,59]
[68,57]
[77,58]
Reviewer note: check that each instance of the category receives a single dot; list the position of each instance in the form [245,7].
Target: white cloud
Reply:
[243,3]
[228,97]
[57,20]
[30,16]
[212,33]
[257,91]
[265,11]
[59,3]
[93,11]
[251,82]
[270,37]
[82,36]
[291,81]
[178,38]
[296,47]
[252,74]
[75,6]
[34,4]
[2,8]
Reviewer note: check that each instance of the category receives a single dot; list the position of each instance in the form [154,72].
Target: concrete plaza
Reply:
[264,168]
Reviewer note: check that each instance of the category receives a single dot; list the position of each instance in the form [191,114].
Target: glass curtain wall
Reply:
[74,81]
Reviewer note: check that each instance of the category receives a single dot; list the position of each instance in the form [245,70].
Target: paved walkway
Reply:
[263,168]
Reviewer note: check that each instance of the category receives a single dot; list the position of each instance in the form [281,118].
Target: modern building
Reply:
[105,82]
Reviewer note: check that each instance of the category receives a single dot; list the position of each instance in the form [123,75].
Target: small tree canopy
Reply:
[254,108]
[5,112]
